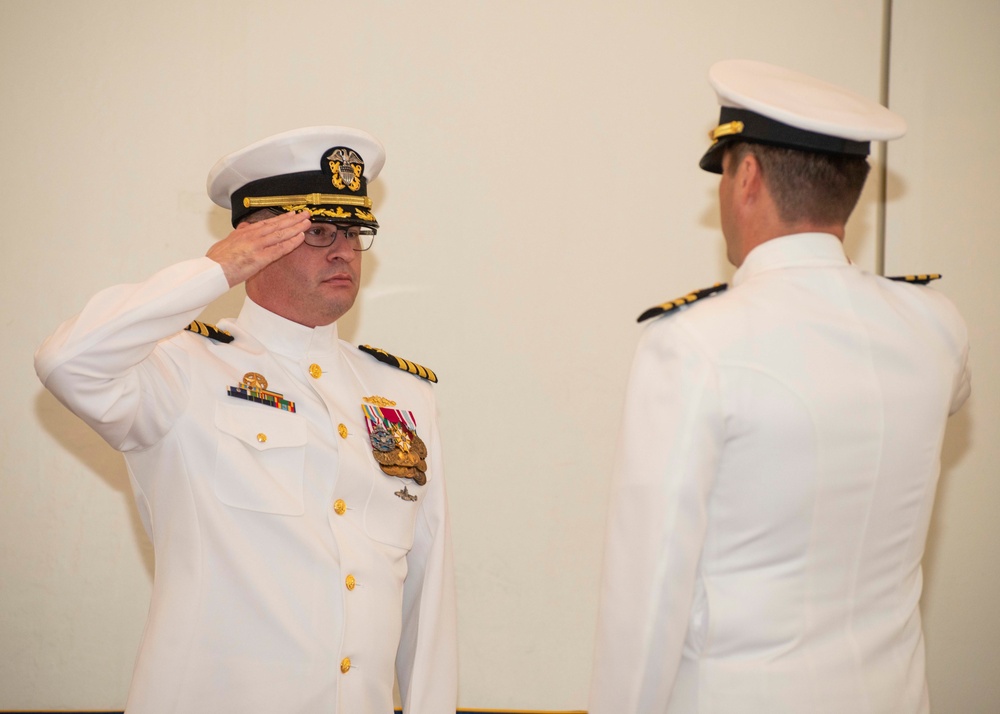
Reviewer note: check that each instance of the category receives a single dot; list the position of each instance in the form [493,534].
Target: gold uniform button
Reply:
[339,507]
[351,582]
[345,665]
[315,371]
[342,430]
[262,438]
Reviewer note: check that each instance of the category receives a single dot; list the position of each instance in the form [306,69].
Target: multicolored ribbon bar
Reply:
[251,391]
[387,417]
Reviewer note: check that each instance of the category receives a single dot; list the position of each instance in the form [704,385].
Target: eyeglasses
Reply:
[322,235]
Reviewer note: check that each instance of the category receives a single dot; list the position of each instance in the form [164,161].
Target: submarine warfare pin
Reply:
[404,493]
[395,444]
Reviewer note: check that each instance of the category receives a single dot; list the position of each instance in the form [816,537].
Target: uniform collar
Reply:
[284,336]
[799,250]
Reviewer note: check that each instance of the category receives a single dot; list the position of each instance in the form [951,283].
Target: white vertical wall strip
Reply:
[942,216]
[880,176]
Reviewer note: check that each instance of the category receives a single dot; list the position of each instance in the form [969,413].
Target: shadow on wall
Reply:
[957,443]
[94,455]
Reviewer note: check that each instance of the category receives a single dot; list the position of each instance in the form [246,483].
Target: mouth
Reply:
[340,279]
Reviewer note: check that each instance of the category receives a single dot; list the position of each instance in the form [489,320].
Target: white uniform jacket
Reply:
[773,487]
[291,572]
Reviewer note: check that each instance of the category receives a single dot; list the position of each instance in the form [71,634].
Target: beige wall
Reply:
[944,216]
[541,190]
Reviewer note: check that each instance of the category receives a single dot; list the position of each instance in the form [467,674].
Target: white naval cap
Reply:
[766,104]
[323,168]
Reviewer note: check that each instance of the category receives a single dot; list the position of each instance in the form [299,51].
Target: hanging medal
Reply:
[397,448]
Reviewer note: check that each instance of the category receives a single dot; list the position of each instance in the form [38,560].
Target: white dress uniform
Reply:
[292,574]
[738,581]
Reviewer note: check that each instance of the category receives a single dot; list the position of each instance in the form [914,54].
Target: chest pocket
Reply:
[260,459]
[391,518]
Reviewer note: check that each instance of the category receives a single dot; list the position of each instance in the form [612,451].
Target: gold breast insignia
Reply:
[379,401]
[253,388]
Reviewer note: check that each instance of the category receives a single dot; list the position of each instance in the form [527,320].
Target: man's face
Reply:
[311,286]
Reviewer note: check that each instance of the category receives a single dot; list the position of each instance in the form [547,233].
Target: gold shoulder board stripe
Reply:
[210,331]
[399,363]
[916,279]
[685,300]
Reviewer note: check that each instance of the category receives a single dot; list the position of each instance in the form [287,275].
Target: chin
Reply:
[336,310]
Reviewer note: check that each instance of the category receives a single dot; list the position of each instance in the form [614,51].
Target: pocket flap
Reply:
[261,428]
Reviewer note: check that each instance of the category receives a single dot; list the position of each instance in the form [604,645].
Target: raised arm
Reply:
[103,364]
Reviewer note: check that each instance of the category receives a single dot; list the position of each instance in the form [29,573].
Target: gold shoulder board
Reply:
[685,300]
[210,331]
[915,279]
[400,363]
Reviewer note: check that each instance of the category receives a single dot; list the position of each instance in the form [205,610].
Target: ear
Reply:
[748,180]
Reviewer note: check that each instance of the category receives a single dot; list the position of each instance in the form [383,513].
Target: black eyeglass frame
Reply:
[363,233]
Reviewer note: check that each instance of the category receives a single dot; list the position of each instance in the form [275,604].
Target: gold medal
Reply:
[396,458]
[396,447]
[418,476]
[413,456]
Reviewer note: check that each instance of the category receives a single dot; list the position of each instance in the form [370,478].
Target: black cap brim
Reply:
[745,125]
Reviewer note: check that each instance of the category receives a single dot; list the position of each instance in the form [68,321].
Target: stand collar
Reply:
[793,251]
[283,336]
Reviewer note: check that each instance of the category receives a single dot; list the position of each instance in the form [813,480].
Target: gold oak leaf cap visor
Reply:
[325,169]
[765,104]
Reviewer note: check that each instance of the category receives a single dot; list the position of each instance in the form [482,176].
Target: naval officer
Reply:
[781,441]
[290,482]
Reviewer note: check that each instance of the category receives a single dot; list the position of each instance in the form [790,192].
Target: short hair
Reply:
[805,185]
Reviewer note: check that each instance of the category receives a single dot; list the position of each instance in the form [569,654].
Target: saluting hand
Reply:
[254,246]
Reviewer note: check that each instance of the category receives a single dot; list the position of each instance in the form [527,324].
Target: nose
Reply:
[340,248]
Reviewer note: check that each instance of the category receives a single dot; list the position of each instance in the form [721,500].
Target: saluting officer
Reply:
[291,483]
[781,441]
